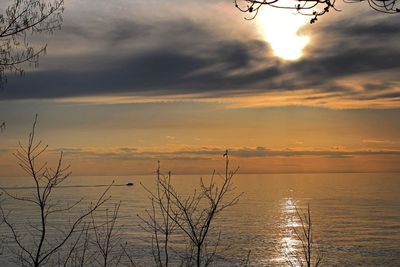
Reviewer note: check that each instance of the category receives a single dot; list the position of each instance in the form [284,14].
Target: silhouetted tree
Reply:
[309,254]
[108,249]
[313,8]
[41,241]
[19,19]
[189,216]
[99,244]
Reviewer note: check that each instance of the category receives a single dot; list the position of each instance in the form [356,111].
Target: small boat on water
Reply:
[129,184]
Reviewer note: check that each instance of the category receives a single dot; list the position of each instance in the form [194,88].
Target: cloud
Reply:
[207,153]
[193,57]
[69,150]
[380,142]
[160,72]
[127,149]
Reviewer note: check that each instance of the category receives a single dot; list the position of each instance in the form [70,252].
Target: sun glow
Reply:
[280,28]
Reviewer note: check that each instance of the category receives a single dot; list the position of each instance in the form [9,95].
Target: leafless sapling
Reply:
[40,240]
[192,216]
[309,255]
[108,247]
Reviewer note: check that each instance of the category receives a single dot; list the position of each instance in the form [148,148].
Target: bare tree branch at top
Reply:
[312,8]
[17,21]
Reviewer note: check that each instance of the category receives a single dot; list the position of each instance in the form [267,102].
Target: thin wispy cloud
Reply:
[209,152]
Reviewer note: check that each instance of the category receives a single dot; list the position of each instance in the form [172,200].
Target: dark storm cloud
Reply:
[181,56]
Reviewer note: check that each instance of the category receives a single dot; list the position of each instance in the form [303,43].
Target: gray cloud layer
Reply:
[180,55]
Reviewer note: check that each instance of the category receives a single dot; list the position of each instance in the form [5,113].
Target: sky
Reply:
[127,83]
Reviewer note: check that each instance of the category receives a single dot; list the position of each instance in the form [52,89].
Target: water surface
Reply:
[356,216]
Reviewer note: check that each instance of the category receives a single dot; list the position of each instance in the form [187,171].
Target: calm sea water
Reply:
[356,216]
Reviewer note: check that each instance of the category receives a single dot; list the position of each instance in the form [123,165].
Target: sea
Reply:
[355,216]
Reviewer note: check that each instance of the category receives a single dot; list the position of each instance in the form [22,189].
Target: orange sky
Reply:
[121,88]
[191,138]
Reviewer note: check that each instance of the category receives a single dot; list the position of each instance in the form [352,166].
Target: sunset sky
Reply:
[127,83]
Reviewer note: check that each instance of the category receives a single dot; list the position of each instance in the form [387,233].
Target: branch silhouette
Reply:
[190,216]
[312,8]
[47,239]
[21,18]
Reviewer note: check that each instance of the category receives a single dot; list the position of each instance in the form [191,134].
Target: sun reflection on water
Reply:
[288,243]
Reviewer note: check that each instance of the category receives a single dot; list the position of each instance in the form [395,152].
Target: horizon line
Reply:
[239,173]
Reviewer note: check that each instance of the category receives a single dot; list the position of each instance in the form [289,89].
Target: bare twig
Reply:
[19,19]
[107,239]
[309,254]
[312,8]
[45,179]
[191,216]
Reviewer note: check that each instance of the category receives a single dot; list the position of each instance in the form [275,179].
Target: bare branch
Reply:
[42,245]
[312,8]
[191,216]
[19,19]
[310,255]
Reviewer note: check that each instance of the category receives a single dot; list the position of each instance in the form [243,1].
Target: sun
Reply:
[280,28]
